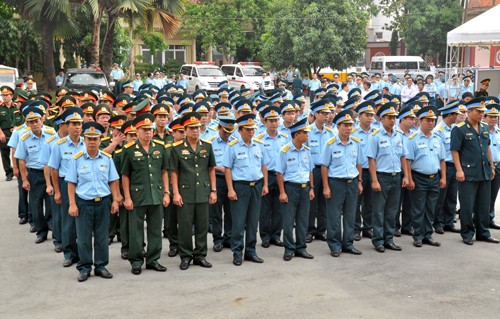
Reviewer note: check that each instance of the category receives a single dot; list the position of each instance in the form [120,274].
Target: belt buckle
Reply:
[97,199]
[303,185]
[432,176]
[252,184]
[349,181]
[393,174]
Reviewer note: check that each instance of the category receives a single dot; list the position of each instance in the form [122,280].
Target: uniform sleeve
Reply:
[442,155]
[165,165]
[265,158]
[14,139]
[55,157]
[372,148]
[456,139]
[117,161]
[174,160]
[211,159]
[227,158]
[113,173]
[409,151]
[21,151]
[361,155]
[71,174]
[326,155]
[126,163]
[281,162]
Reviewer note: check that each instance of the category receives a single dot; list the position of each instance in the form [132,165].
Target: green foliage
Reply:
[315,34]
[122,44]
[170,66]
[394,42]
[154,41]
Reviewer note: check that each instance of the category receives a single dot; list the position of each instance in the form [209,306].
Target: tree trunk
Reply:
[131,66]
[49,73]
[107,46]
[96,37]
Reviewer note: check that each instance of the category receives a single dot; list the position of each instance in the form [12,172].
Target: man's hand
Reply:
[49,190]
[212,198]
[3,139]
[460,176]
[376,186]
[58,197]
[115,206]
[129,204]
[26,185]
[327,192]
[73,210]
[178,200]
[283,198]
[265,191]
[166,200]
[232,195]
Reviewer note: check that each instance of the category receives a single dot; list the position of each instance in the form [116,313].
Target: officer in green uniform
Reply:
[482,91]
[161,111]
[194,188]
[145,188]
[7,110]
[471,154]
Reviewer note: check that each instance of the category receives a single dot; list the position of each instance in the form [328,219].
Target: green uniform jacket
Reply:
[167,138]
[7,116]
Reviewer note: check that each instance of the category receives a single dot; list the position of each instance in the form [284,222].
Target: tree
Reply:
[394,42]
[315,34]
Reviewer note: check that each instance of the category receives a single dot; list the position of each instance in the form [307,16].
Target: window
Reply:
[379,35]
[238,72]
[376,66]
[253,71]
[186,70]
[177,52]
[395,65]
[228,70]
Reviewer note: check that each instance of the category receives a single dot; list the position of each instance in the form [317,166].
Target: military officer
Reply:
[294,170]
[7,109]
[341,171]
[246,177]
[386,160]
[161,134]
[206,131]
[145,187]
[193,185]
[425,155]
[471,154]
[483,90]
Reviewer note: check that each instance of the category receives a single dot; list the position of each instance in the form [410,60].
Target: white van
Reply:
[398,64]
[203,75]
[246,75]
[8,76]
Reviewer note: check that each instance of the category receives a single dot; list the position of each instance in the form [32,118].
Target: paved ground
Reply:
[453,281]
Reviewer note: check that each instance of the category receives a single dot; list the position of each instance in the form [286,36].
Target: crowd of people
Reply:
[369,160]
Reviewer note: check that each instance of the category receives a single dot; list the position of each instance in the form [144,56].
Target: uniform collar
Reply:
[87,156]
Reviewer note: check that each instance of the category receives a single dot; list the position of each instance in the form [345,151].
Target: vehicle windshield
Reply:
[6,78]
[253,71]
[86,79]
[209,72]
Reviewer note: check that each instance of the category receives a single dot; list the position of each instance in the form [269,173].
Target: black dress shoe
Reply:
[468,241]
[431,242]
[124,255]
[83,276]
[439,231]
[368,233]
[184,264]
[58,248]
[397,233]
[136,270]
[40,239]
[287,257]
[494,226]
[110,240]
[69,262]
[489,240]
[417,243]
[303,254]
[32,229]
[104,273]
[407,232]
[309,238]
[237,261]
[156,267]
[172,252]
[254,259]
[352,251]
[203,263]
[380,248]
[321,237]
[278,243]
[451,229]
[218,247]
[392,246]
[23,221]
[9,177]
[335,253]
[357,236]
[266,244]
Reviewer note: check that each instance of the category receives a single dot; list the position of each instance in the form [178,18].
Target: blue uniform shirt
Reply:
[425,153]
[30,147]
[91,175]
[441,91]
[444,132]
[272,146]
[363,137]
[47,149]
[63,152]
[295,165]
[245,162]
[16,134]
[341,159]
[395,89]
[208,133]
[286,131]
[117,74]
[220,148]
[317,141]
[495,145]
[387,150]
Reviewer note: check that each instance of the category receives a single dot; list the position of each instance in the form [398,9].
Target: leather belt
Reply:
[343,180]
[248,183]
[429,176]
[34,170]
[389,174]
[300,185]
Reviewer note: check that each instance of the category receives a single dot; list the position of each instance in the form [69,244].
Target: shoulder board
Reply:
[178,143]
[27,129]
[17,112]
[168,145]
[307,147]
[413,135]
[261,135]
[77,155]
[129,144]
[483,124]
[107,154]
[285,148]
[354,129]
[441,128]
[400,130]
[106,138]
[233,142]
[159,142]
[461,124]
[119,151]
[212,128]
[331,141]
[208,141]
[61,141]
[50,139]
[258,141]
[375,132]
[18,127]
[329,129]
[49,130]
[284,135]
[51,117]
[25,136]
[354,138]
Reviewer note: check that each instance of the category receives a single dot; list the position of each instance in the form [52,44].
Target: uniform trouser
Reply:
[271,220]
[37,197]
[68,230]
[93,219]
[317,209]
[364,205]
[446,205]
[423,199]
[124,231]
[153,215]
[404,214]
[474,209]
[170,221]
[495,186]
[216,212]
[341,209]
[114,227]
[385,205]
[295,212]
[187,215]
[23,210]
[5,152]
[245,216]
[56,221]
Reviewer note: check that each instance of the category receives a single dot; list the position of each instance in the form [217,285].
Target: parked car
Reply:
[83,79]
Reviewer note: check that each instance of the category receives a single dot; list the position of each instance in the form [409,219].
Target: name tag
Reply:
[184,152]
[137,153]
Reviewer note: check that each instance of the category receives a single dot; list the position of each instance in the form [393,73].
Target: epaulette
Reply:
[129,144]
[105,139]
[400,130]
[17,111]
[307,147]
[331,141]
[412,135]
[461,124]
[212,128]
[178,143]
[50,117]
[77,155]
[208,141]
[261,135]
[329,129]
[49,130]
[284,134]
[375,132]
[50,139]
[118,151]
[19,127]
[107,154]
[354,138]
[25,136]
[285,148]
[61,141]
[159,142]
[27,129]
[233,142]
[258,141]
[441,128]
[354,129]
[483,123]
[168,145]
